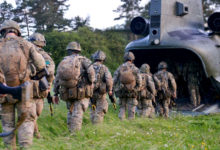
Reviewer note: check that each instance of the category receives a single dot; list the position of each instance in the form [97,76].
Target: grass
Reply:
[178,133]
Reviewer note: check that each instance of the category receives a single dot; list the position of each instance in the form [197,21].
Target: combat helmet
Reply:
[162,65]
[129,56]
[99,55]
[38,39]
[145,68]
[10,25]
[74,46]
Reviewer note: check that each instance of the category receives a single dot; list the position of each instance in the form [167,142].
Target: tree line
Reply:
[47,17]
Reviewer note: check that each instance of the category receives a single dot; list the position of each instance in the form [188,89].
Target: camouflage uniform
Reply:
[103,84]
[76,106]
[127,99]
[192,74]
[168,88]
[14,55]
[39,40]
[147,93]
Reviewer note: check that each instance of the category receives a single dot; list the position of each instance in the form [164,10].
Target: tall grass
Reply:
[178,133]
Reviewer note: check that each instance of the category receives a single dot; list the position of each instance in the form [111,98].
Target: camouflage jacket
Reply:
[167,81]
[15,53]
[50,65]
[148,83]
[85,68]
[102,76]
[136,73]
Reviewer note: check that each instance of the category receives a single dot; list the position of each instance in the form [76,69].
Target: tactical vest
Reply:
[73,79]
[145,93]
[164,79]
[100,83]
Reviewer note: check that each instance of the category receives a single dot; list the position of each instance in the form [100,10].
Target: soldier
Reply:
[168,88]
[15,52]
[147,93]
[39,41]
[127,83]
[103,85]
[74,83]
[192,74]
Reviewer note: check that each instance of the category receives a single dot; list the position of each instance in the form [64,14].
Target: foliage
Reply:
[111,42]
[128,10]
[47,14]
[179,132]
[80,22]
[5,11]
[209,6]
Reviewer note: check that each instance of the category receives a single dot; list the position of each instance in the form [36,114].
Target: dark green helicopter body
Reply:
[175,34]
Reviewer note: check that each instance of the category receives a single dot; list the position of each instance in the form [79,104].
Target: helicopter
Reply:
[175,33]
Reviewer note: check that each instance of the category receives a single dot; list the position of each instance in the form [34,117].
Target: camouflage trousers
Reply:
[39,108]
[97,116]
[75,114]
[26,130]
[145,108]
[163,106]
[127,103]
[194,94]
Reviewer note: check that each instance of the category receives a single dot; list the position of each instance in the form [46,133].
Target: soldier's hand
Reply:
[110,93]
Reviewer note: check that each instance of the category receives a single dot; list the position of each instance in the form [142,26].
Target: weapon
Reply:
[113,100]
[14,91]
[42,73]
[93,103]
[50,101]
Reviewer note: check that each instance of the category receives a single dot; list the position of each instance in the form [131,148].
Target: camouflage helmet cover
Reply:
[10,24]
[129,56]
[162,65]
[145,68]
[38,39]
[99,55]
[73,46]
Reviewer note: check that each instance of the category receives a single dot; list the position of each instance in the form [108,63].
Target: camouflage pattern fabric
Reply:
[128,99]
[103,84]
[168,89]
[79,105]
[15,53]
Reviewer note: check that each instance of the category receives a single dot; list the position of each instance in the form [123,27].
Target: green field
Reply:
[178,132]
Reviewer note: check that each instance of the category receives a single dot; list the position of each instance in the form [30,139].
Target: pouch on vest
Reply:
[63,93]
[102,88]
[80,93]
[88,91]
[72,93]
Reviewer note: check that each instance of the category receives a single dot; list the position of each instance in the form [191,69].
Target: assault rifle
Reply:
[50,102]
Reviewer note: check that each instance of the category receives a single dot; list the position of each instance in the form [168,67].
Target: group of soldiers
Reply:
[25,67]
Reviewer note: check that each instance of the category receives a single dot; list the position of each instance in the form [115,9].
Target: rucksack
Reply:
[69,70]
[99,75]
[127,77]
[164,92]
[14,61]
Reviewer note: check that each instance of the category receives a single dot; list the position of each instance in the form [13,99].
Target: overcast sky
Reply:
[100,11]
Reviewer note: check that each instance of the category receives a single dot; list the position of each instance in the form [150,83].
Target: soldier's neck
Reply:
[10,35]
